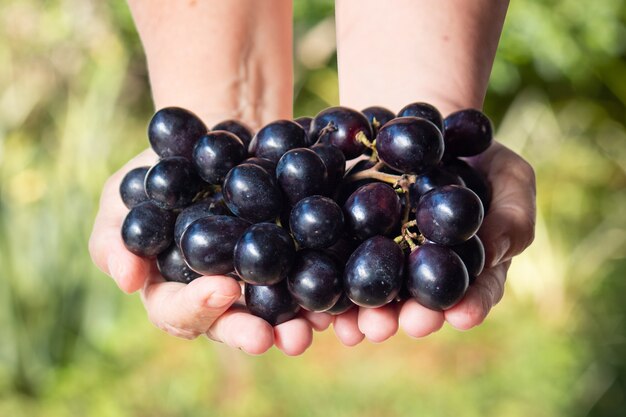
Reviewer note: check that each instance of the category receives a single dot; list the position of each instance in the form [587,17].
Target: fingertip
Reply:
[347,328]
[259,340]
[293,337]
[378,324]
[469,313]
[129,271]
[418,321]
[319,321]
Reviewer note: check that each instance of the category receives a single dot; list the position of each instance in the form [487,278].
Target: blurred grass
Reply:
[74,102]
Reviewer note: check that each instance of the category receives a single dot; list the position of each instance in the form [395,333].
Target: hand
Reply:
[204,306]
[507,230]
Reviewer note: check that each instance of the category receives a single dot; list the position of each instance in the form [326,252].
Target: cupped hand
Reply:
[207,305]
[507,230]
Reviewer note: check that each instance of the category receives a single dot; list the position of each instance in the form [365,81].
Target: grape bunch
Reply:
[278,210]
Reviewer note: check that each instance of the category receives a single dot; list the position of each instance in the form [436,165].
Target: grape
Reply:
[449,215]
[341,306]
[239,129]
[264,254]
[315,281]
[300,173]
[335,164]
[373,209]
[172,266]
[207,244]
[316,222]
[425,111]
[472,178]
[409,145]
[266,164]
[172,183]
[341,250]
[378,117]
[433,178]
[346,188]
[436,276]
[132,188]
[374,272]
[339,126]
[252,194]
[305,123]
[467,133]
[148,229]
[272,303]
[472,253]
[203,208]
[174,132]
[276,138]
[216,153]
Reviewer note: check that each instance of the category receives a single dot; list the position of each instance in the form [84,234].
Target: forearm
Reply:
[220,59]
[437,51]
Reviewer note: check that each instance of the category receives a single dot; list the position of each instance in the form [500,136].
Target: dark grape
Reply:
[264,254]
[172,183]
[341,306]
[174,132]
[346,188]
[238,128]
[216,153]
[335,164]
[203,208]
[340,126]
[266,164]
[410,145]
[467,133]
[472,253]
[132,188]
[207,244]
[276,138]
[472,178]
[373,209]
[374,272]
[172,266]
[436,276]
[148,229]
[433,178]
[300,173]
[341,250]
[272,303]
[251,193]
[305,123]
[378,117]
[425,111]
[315,281]
[449,215]
[316,222]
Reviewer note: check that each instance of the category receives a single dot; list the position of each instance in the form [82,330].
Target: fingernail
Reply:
[219,300]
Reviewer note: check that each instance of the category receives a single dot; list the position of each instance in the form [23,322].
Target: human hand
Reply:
[207,305]
[507,230]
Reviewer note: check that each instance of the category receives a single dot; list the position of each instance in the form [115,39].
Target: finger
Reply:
[319,321]
[419,321]
[481,296]
[240,329]
[378,324]
[347,327]
[293,337]
[188,310]
[509,225]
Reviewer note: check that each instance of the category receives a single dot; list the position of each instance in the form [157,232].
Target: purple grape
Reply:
[172,183]
[436,277]
[276,138]
[341,306]
[148,229]
[300,173]
[378,117]
[132,188]
[315,281]
[251,193]
[467,133]
[425,111]
[373,209]
[207,244]
[238,128]
[272,303]
[410,145]
[449,215]
[174,132]
[335,164]
[266,164]
[374,272]
[340,126]
[472,253]
[316,222]
[305,123]
[216,153]
[472,178]
[172,266]
[203,208]
[433,178]
[264,254]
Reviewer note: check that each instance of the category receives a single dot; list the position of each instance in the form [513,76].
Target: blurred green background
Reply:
[74,104]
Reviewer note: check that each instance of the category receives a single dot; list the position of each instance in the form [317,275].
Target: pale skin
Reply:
[233,60]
